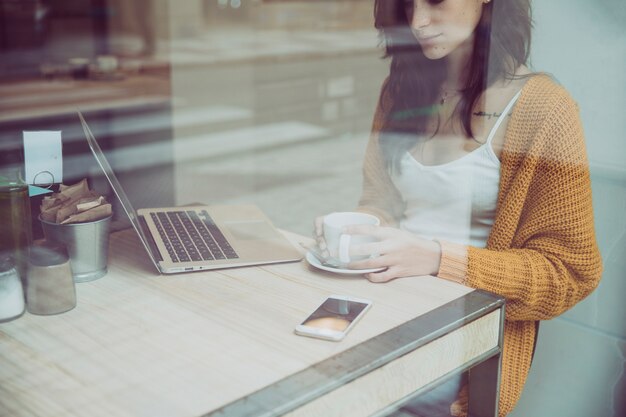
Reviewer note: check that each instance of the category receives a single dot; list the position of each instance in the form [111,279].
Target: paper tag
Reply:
[34,191]
[43,157]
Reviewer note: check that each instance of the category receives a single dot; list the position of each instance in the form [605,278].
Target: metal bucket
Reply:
[87,245]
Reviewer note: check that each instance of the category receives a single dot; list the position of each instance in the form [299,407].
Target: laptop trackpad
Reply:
[251,230]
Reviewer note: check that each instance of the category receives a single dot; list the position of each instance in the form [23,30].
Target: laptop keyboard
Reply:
[189,237]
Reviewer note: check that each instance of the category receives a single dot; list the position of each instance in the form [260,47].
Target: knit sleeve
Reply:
[453,262]
[379,197]
[551,261]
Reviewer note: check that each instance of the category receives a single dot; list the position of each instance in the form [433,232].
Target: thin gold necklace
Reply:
[447,94]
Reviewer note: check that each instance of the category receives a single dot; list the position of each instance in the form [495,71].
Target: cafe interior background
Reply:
[271,102]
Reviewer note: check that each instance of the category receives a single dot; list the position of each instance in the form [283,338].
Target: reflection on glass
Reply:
[271,102]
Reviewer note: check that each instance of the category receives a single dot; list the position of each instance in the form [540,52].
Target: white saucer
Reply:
[312,260]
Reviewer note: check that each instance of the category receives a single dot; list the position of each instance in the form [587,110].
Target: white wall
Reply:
[579,367]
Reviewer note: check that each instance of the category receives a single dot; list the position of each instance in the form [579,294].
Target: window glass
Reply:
[274,103]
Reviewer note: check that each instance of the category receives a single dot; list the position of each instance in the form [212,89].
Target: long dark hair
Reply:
[501,45]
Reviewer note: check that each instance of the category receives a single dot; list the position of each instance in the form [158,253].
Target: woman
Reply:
[478,169]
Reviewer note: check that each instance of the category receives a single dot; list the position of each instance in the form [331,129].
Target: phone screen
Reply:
[335,314]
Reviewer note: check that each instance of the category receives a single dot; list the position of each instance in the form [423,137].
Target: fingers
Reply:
[383,276]
[318,233]
[319,226]
[370,249]
[370,263]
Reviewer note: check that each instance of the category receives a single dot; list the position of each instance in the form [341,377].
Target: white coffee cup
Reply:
[338,243]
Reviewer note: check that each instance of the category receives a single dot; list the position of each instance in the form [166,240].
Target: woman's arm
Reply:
[380,196]
[542,254]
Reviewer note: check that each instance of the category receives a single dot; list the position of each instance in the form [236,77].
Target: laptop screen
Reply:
[116,186]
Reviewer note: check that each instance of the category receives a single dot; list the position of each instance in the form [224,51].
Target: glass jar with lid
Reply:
[49,284]
[15,215]
[11,291]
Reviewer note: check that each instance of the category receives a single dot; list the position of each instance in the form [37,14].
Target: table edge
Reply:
[298,389]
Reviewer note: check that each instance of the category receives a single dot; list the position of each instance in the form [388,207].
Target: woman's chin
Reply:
[435,52]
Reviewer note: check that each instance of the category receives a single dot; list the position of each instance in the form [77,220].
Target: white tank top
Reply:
[455,201]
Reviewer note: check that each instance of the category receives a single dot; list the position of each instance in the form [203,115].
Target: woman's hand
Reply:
[402,253]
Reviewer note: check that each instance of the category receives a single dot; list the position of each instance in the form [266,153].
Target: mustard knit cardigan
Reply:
[541,255]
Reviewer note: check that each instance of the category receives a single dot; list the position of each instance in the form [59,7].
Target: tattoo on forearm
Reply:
[488,115]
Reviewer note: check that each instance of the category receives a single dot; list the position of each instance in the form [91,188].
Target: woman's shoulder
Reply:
[545,119]
[544,100]
[542,91]
[383,106]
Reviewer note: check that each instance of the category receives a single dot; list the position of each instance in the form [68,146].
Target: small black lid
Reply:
[47,253]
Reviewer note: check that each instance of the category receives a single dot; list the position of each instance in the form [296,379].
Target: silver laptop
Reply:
[181,239]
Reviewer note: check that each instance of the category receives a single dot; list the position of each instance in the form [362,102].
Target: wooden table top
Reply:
[143,344]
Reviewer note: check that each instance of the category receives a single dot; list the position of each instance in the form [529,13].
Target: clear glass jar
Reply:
[15,216]
[50,285]
[11,291]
